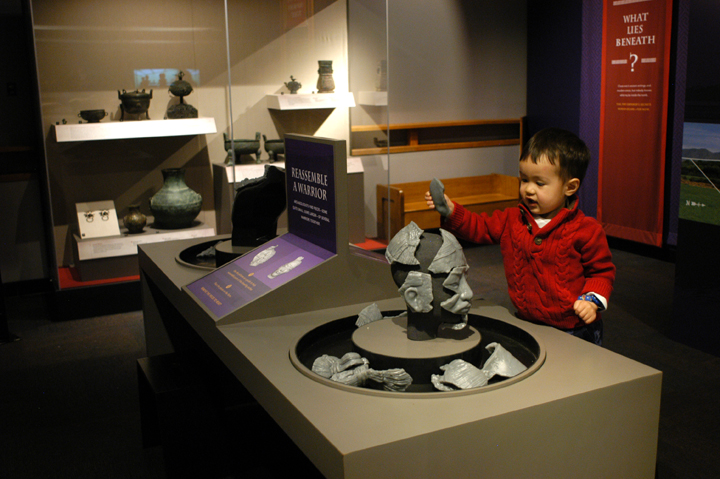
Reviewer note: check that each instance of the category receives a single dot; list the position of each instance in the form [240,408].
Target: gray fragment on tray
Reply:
[459,374]
[392,379]
[326,366]
[368,315]
[353,370]
[209,252]
[502,362]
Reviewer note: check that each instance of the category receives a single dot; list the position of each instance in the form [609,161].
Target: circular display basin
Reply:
[335,338]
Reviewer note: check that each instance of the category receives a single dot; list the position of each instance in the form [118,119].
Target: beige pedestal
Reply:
[586,412]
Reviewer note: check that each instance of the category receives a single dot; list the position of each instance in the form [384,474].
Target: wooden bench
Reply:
[405,202]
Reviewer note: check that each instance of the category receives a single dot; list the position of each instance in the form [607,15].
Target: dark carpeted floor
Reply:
[69,405]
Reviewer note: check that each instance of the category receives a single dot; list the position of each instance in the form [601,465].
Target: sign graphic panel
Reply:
[256,273]
[636,46]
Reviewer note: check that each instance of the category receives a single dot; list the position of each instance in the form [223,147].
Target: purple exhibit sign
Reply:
[254,274]
[311,240]
[310,176]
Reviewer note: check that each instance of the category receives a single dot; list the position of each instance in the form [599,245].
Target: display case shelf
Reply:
[310,101]
[119,130]
[408,137]
[126,244]
[115,257]
[373,98]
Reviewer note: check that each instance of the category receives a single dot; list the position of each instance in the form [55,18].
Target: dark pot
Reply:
[175,205]
[92,116]
[274,148]
[293,85]
[180,87]
[134,221]
[243,147]
[135,102]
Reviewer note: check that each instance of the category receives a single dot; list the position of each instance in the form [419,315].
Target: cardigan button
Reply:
[538,240]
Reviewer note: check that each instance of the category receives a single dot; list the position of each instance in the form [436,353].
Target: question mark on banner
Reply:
[633,59]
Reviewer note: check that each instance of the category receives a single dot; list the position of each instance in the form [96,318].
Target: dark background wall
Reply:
[697,284]
[23,237]
[554,57]
[564,76]
[703,65]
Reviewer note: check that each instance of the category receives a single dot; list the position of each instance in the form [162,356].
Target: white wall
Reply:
[449,60]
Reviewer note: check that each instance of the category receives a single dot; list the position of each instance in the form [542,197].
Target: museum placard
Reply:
[310,176]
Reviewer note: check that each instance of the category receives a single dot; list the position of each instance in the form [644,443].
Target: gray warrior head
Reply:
[431,271]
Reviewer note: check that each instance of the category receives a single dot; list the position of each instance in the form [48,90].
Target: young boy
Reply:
[557,261]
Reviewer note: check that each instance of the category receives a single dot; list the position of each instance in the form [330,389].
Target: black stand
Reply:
[5,335]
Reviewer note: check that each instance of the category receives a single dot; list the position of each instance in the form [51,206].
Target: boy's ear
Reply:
[572,186]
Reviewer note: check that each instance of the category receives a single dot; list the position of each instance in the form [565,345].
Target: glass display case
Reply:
[416,93]
[237,57]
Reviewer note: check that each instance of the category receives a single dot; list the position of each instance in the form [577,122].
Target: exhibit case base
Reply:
[116,256]
[584,412]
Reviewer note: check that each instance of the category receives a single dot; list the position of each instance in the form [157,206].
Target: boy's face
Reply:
[542,189]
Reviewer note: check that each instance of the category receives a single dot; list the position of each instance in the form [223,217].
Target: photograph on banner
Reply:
[700,182]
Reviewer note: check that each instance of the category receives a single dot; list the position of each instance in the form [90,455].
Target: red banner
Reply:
[633,122]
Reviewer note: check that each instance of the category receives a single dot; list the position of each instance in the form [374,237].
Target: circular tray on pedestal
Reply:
[189,256]
[335,339]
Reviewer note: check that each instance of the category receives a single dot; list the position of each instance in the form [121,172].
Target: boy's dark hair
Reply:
[561,148]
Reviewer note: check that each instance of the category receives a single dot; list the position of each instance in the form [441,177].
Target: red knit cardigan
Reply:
[546,269]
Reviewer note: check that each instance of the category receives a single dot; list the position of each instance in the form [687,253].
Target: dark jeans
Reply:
[592,332]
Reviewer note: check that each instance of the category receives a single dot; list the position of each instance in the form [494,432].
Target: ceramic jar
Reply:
[175,205]
[134,221]
[325,83]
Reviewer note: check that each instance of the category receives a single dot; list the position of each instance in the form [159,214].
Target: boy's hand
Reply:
[431,203]
[437,199]
[586,310]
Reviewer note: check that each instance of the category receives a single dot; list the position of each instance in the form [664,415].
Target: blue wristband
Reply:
[593,299]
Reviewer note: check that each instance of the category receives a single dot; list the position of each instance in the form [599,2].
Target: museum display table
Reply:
[585,412]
